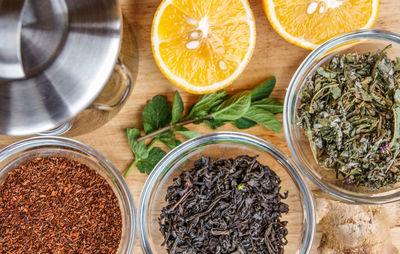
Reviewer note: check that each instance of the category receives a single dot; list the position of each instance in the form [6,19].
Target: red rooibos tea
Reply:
[58,205]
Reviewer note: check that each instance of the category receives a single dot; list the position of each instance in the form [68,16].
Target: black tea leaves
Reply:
[225,206]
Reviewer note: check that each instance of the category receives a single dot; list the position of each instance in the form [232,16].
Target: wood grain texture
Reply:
[272,56]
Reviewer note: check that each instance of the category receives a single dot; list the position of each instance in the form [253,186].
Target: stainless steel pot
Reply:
[61,65]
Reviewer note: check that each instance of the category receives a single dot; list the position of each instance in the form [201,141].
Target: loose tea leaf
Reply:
[161,120]
[225,206]
[58,205]
[349,110]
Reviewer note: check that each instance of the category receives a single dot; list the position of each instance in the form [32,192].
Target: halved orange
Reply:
[203,45]
[308,23]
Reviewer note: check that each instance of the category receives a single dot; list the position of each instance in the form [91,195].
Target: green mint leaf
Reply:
[168,138]
[156,114]
[264,118]
[132,134]
[147,165]
[233,108]
[177,108]
[263,90]
[186,132]
[269,104]
[206,103]
[139,149]
[243,123]
[213,124]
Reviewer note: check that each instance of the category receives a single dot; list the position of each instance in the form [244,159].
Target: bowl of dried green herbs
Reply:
[226,192]
[342,116]
[58,195]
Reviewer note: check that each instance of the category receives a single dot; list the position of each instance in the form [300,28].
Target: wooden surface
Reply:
[272,56]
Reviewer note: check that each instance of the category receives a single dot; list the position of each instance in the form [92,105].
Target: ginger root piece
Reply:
[356,229]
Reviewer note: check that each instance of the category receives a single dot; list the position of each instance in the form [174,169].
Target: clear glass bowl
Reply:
[301,216]
[19,152]
[359,41]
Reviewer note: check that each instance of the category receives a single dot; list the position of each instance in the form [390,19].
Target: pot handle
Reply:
[59,130]
[10,52]
[120,72]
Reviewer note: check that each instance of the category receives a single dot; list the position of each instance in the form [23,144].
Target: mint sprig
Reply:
[162,120]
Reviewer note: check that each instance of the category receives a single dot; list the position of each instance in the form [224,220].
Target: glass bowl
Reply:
[19,152]
[301,216]
[359,41]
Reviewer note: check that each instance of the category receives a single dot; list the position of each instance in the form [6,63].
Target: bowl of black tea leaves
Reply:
[226,192]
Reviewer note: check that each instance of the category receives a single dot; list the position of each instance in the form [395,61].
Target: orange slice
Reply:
[308,23]
[203,45]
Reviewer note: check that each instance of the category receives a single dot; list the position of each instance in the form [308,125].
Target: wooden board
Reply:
[272,56]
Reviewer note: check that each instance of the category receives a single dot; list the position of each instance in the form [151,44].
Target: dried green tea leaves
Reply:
[225,206]
[350,112]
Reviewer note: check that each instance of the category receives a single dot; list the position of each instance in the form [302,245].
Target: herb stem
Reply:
[133,164]
[152,144]
[171,126]
[393,160]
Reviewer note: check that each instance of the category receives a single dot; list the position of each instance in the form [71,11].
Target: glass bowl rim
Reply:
[37,142]
[291,95]
[288,164]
